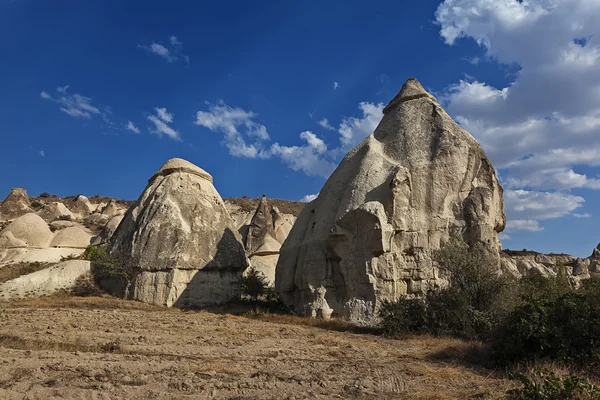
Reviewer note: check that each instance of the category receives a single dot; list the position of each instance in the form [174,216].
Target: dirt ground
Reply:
[99,348]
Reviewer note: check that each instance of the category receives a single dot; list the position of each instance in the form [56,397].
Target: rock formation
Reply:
[393,200]
[530,263]
[261,244]
[55,211]
[16,204]
[62,276]
[29,230]
[181,241]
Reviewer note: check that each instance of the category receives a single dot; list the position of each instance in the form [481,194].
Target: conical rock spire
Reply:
[393,200]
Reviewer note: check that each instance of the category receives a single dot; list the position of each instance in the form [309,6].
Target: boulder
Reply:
[83,206]
[71,237]
[55,211]
[16,204]
[108,230]
[181,240]
[29,230]
[112,209]
[393,200]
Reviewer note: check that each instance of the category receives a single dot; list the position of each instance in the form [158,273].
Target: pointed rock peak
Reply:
[411,90]
[180,165]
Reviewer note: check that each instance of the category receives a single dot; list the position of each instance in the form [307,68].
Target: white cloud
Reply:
[586,215]
[161,122]
[164,115]
[325,124]
[42,153]
[544,126]
[237,125]
[131,127]
[336,85]
[313,141]
[75,105]
[353,130]
[532,206]
[175,42]
[529,225]
[244,137]
[504,236]
[171,53]
[309,197]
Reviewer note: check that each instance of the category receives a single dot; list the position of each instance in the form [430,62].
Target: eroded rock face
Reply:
[181,239]
[16,204]
[392,201]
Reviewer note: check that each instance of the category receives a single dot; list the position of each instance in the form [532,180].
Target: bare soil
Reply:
[103,348]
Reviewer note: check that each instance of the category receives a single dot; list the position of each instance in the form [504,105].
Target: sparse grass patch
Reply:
[13,271]
[333,324]
[63,300]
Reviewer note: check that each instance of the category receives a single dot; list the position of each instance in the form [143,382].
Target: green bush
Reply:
[254,284]
[93,253]
[475,302]
[403,316]
[110,269]
[545,385]
[565,329]
[262,295]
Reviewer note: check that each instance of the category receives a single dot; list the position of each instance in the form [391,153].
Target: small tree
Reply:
[254,284]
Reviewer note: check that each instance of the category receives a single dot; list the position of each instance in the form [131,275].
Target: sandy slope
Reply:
[112,349]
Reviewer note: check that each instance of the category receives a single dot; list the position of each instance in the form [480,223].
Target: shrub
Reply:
[545,288]
[403,316]
[111,269]
[565,329]
[545,385]
[86,286]
[93,253]
[475,302]
[254,284]
[45,194]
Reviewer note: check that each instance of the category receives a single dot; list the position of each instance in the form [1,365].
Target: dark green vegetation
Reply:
[530,321]
[545,385]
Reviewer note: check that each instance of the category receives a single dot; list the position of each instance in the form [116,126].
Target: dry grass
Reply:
[64,300]
[13,271]
[333,324]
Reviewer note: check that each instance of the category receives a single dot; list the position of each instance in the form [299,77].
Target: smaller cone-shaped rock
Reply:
[393,200]
[180,238]
[16,204]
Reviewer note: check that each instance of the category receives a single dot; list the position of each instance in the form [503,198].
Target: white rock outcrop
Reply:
[55,211]
[392,201]
[29,230]
[16,204]
[180,240]
[45,282]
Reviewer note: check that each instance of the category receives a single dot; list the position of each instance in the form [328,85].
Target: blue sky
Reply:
[267,97]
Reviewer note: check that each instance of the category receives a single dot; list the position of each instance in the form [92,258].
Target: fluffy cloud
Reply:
[544,125]
[353,130]
[244,137]
[75,105]
[336,85]
[238,126]
[325,124]
[309,197]
[524,209]
[131,127]
[161,121]
[171,53]
[310,158]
